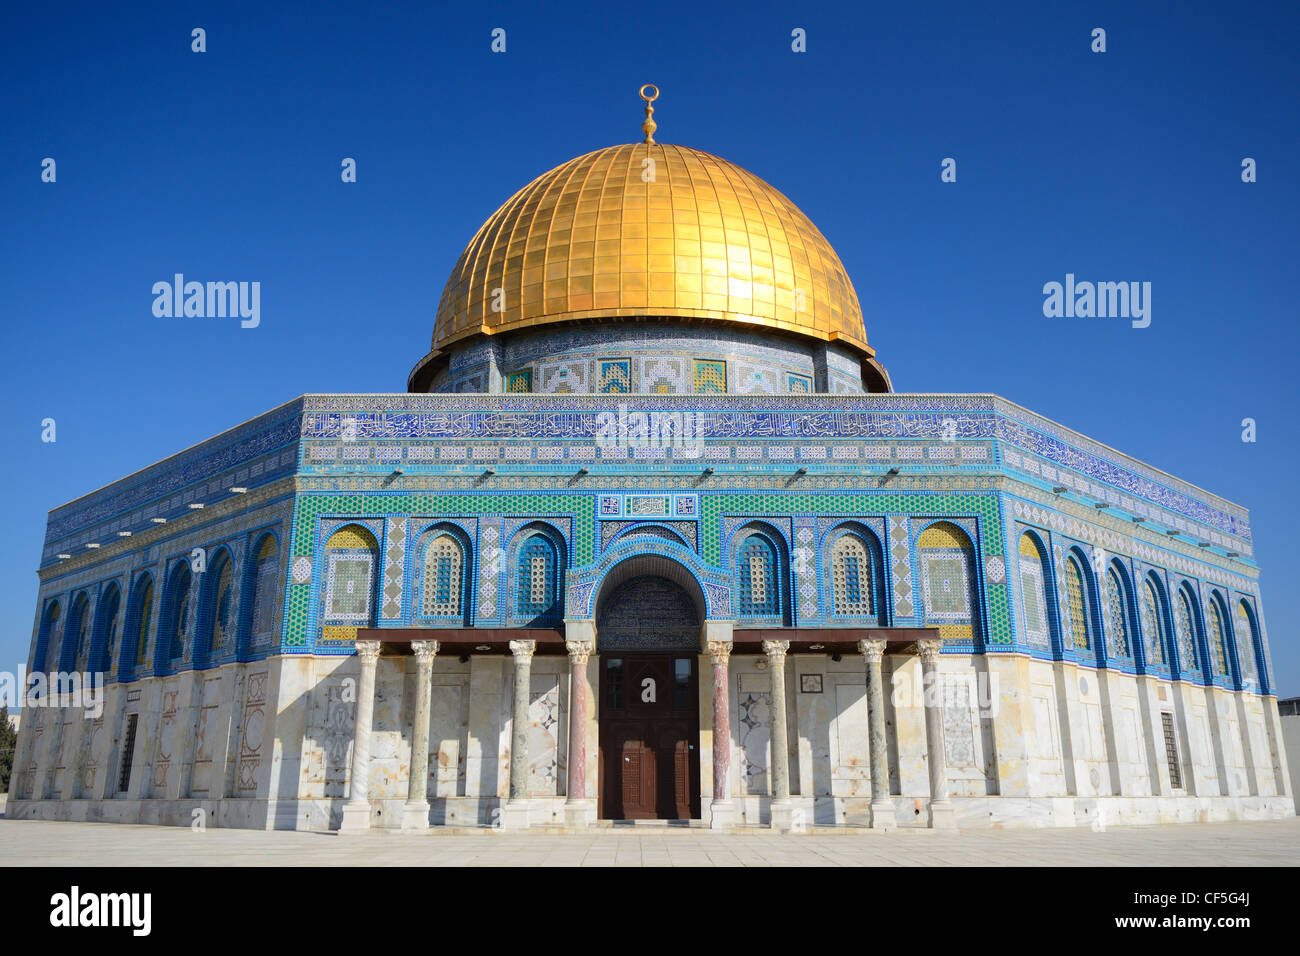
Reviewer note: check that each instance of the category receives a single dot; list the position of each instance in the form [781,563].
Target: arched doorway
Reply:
[647,633]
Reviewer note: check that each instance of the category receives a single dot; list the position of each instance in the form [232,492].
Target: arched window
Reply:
[537,578]
[1119,642]
[351,554]
[1218,639]
[1076,594]
[1247,642]
[1154,631]
[946,558]
[219,611]
[758,591]
[178,611]
[264,575]
[443,585]
[852,577]
[108,625]
[1189,659]
[142,621]
[1033,590]
[49,647]
[76,636]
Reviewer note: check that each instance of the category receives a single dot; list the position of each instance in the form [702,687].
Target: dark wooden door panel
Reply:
[649,725]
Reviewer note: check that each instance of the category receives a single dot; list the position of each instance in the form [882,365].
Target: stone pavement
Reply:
[35,843]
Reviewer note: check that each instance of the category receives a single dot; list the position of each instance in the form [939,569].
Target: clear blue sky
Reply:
[225,165]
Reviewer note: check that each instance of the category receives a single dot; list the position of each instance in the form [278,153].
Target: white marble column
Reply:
[415,814]
[722,811]
[882,808]
[356,812]
[579,811]
[941,812]
[781,809]
[515,813]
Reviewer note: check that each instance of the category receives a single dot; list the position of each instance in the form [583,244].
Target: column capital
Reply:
[720,651]
[368,651]
[775,650]
[424,651]
[873,650]
[928,651]
[523,651]
[579,651]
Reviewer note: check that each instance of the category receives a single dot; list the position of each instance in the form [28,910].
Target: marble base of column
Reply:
[782,816]
[883,816]
[942,815]
[579,813]
[415,816]
[514,814]
[722,815]
[356,817]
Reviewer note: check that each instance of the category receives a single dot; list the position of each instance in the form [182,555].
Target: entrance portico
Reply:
[652,754]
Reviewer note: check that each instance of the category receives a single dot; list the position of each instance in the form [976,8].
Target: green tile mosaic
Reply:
[310,506]
[984,506]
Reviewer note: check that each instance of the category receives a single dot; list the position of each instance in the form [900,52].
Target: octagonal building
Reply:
[649,536]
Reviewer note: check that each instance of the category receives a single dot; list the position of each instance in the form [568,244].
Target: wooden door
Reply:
[639,785]
[649,726]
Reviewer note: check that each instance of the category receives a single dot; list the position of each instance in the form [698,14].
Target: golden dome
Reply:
[704,239]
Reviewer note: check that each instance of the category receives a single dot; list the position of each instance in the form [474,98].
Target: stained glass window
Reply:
[179,621]
[224,595]
[1246,642]
[536,578]
[443,562]
[50,632]
[1153,624]
[1076,596]
[144,623]
[265,575]
[1120,644]
[78,633]
[851,576]
[111,611]
[1189,660]
[1218,642]
[759,591]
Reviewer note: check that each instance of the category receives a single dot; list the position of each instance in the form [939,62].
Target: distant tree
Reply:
[8,743]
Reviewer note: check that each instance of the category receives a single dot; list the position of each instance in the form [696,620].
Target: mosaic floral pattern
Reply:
[944,557]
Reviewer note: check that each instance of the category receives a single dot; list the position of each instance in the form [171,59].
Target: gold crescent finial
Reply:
[649,126]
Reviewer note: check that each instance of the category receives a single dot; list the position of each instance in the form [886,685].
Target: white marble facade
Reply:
[1027,743]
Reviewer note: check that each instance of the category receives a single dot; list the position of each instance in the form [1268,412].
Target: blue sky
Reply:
[1116,166]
